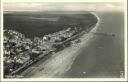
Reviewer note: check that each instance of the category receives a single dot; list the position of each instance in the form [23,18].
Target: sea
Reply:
[104,54]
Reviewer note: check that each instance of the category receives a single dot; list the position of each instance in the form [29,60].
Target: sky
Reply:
[48,6]
[62,0]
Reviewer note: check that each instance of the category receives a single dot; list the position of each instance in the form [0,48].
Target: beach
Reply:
[104,55]
[61,61]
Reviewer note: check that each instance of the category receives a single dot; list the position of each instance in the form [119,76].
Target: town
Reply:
[20,52]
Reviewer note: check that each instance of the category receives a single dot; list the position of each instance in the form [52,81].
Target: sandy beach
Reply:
[60,62]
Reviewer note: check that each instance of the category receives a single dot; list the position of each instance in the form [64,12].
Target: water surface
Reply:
[104,55]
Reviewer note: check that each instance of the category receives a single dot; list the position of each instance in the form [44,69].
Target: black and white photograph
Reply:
[66,40]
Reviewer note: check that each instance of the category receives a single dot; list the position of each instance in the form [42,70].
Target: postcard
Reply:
[63,40]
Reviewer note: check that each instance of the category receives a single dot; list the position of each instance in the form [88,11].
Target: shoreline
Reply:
[61,61]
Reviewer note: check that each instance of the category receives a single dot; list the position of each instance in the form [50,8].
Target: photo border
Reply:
[65,79]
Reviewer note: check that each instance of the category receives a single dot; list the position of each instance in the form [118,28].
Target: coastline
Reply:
[61,61]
